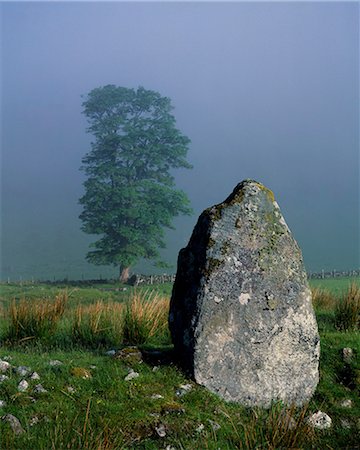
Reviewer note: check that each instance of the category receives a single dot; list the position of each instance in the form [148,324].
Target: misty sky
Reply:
[268,91]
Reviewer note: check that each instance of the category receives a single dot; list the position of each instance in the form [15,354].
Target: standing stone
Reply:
[241,316]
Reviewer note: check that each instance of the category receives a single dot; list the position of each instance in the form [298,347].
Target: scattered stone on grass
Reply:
[23,386]
[156,397]
[131,375]
[35,376]
[23,371]
[3,378]
[81,372]
[71,389]
[39,389]
[347,403]
[130,355]
[110,353]
[14,423]
[155,368]
[55,363]
[2,403]
[214,425]
[4,366]
[347,354]
[183,389]
[160,430]
[172,408]
[200,428]
[241,316]
[92,367]
[34,420]
[320,420]
[345,423]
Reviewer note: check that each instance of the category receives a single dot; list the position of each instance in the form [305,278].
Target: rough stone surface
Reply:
[241,316]
[14,423]
[320,420]
[4,366]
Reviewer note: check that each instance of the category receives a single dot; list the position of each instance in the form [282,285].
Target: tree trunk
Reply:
[124,274]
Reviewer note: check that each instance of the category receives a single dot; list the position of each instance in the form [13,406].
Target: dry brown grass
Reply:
[280,427]
[323,299]
[347,311]
[146,315]
[29,319]
[99,323]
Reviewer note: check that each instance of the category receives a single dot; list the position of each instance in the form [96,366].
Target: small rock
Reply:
[92,367]
[55,363]
[131,376]
[347,403]
[214,425]
[200,428]
[23,386]
[345,423]
[34,420]
[184,389]
[172,408]
[156,397]
[155,368]
[347,354]
[3,378]
[14,423]
[131,355]
[110,353]
[71,390]
[23,371]
[2,403]
[35,376]
[320,420]
[161,431]
[39,389]
[4,366]
[157,415]
[170,447]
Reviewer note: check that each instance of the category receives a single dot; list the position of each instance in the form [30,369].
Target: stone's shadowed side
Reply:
[241,316]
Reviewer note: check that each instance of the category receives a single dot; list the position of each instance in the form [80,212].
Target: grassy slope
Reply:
[107,412]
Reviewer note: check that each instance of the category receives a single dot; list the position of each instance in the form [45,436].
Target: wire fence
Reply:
[141,279]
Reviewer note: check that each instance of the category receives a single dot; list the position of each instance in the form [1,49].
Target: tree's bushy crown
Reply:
[130,194]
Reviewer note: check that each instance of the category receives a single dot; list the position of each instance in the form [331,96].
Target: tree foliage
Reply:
[130,194]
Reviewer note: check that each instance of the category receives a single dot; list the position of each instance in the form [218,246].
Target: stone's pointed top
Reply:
[250,187]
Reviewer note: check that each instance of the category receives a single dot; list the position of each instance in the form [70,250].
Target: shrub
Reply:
[100,323]
[34,319]
[146,316]
[323,299]
[347,311]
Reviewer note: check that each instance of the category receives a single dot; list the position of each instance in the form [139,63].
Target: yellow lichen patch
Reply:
[269,193]
[80,372]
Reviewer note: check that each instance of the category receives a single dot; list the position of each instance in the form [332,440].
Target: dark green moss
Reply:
[212,265]
[225,248]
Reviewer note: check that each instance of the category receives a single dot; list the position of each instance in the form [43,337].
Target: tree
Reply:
[130,194]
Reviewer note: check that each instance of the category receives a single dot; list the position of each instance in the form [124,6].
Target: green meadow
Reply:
[139,398]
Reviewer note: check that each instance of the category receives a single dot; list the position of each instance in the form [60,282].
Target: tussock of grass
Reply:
[37,318]
[146,315]
[323,299]
[347,310]
[99,323]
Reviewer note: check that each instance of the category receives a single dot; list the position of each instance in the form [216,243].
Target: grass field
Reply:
[88,404]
